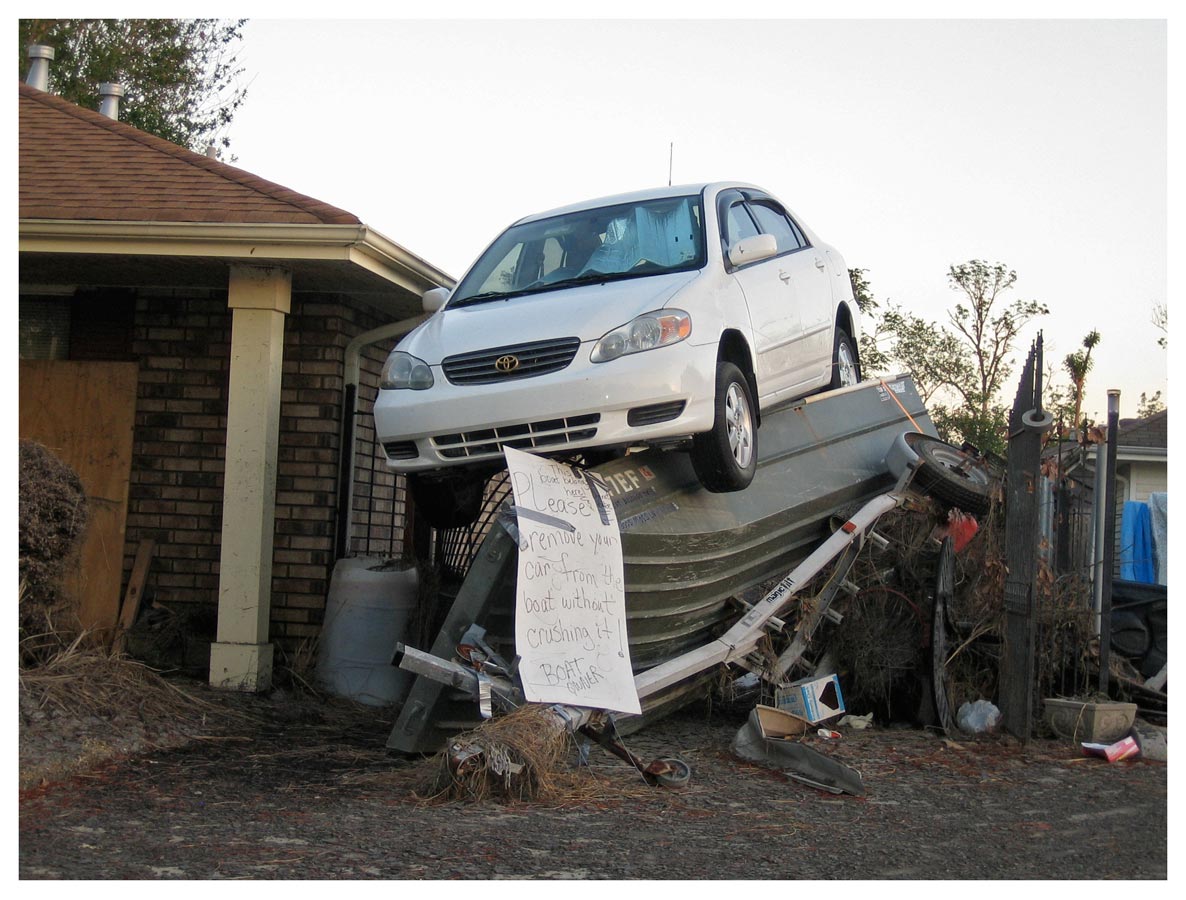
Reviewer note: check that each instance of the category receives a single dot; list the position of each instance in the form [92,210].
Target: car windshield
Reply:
[593,245]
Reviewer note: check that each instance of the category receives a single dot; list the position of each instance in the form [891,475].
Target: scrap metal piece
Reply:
[667,771]
[797,759]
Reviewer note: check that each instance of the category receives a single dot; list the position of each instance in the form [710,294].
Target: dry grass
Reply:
[85,680]
[82,704]
[514,757]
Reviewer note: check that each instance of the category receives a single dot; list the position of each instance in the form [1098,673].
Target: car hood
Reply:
[586,311]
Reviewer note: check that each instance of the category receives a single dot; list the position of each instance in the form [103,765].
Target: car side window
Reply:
[738,224]
[775,222]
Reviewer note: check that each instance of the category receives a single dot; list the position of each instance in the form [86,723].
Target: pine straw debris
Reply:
[515,757]
[525,756]
[82,679]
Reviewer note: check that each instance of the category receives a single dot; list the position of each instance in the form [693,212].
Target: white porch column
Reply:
[241,657]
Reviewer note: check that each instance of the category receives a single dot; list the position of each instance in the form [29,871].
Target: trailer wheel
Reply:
[846,368]
[726,458]
[450,502]
[679,774]
[951,475]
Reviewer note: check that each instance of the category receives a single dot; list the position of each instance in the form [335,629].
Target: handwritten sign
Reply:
[570,603]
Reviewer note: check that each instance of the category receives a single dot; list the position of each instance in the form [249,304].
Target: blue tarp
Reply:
[1136,544]
[1159,507]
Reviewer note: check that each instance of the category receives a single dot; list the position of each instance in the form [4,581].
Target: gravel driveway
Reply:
[306,790]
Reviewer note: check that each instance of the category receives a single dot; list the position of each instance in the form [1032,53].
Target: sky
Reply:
[911,145]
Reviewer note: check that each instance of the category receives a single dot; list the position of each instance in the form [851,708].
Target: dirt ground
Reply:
[287,787]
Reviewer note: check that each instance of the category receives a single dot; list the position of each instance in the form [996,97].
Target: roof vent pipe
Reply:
[39,57]
[109,95]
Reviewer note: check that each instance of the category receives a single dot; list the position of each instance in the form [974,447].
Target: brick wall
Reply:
[182,341]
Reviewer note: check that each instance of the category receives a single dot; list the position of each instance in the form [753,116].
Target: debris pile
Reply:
[511,757]
[52,517]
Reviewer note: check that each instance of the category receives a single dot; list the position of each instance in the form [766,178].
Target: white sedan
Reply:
[668,317]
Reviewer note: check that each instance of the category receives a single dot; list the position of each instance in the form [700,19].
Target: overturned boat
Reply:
[687,552]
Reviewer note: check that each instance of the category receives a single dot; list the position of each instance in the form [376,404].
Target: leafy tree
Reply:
[1150,406]
[988,329]
[874,360]
[1078,364]
[1161,320]
[960,368]
[180,76]
[1065,401]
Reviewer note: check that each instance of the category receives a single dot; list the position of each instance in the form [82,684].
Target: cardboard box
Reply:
[813,699]
[779,725]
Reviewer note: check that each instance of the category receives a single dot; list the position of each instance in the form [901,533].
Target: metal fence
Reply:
[379,506]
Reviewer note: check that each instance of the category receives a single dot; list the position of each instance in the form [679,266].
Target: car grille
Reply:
[535,358]
[549,433]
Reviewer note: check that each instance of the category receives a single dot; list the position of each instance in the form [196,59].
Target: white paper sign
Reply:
[570,603]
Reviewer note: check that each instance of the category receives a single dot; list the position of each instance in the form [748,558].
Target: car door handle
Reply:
[819,263]
[785,278]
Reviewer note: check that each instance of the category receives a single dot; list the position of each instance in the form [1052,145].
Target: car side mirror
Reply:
[752,249]
[434,299]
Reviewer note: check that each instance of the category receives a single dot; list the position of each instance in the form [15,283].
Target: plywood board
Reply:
[85,413]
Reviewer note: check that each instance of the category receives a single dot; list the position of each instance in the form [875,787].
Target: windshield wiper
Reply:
[585,278]
[487,297]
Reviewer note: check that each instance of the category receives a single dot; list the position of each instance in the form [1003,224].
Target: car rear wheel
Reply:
[846,369]
[726,458]
[447,502]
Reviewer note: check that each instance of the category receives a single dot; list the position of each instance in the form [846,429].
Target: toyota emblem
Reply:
[506,363]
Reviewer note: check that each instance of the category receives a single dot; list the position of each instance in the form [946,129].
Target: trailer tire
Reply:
[678,777]
[451,502]
[950,475]
[726,458]
[846,366]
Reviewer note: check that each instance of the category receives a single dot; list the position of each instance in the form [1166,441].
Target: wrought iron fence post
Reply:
[1027,422]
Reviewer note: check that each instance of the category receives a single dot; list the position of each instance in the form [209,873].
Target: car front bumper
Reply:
[667,393]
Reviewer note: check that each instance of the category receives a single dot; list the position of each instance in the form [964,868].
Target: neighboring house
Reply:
[1142,468]
[1142,457]
[187,333]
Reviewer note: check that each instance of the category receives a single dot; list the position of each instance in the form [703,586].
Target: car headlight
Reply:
[648,331]
[403,371]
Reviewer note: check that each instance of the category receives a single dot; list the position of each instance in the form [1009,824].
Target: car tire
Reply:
[950,475]
[846,366]
[451,502]
[726,458]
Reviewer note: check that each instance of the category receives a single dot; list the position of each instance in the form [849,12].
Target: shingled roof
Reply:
[1149,432]
[76,164]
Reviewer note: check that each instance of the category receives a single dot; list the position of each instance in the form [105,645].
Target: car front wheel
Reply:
[726,458]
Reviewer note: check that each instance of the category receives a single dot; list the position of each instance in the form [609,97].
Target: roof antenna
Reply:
[670,159]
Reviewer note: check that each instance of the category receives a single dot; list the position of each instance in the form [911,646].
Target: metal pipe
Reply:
[1099,510]
[1109,540]
[40,56]
[352,367]
[109,96]
[346,482]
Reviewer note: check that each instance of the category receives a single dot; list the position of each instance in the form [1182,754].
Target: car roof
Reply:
[678,190]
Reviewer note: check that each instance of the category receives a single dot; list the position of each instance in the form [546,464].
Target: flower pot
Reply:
[1098,722]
